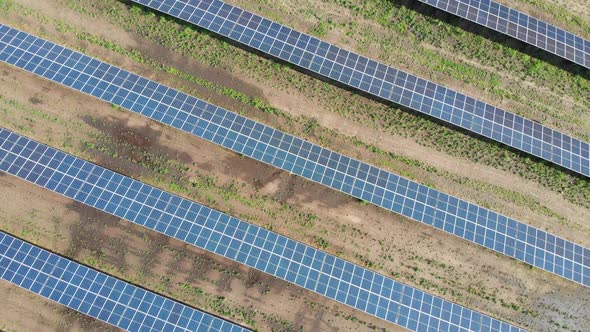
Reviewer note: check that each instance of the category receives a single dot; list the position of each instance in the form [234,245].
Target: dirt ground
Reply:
[384,242]
[159,263]
[24,311]
[421,256]
[297,104]
[523,95]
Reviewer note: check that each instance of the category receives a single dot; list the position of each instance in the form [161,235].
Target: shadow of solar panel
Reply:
[239,134]
[379,80]
[237,240]
[98,295]
[518,25]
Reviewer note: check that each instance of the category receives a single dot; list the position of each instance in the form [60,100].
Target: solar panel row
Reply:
[237,240]
[98,295]
[380,80]
[263,143]
[523,27]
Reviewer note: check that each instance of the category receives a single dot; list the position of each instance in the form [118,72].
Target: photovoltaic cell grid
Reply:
[263,143]
[520,26]
[380,80]
[235,239]
[96,294]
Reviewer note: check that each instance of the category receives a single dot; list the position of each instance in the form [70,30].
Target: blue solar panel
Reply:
[98,295]
[380,80]
[235,239]
[523,27]
[295,155]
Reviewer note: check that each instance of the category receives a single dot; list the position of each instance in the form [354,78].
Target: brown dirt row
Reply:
[25,311]
[421,256]
[157,262]
[414,253]
[299,105]
[534,97]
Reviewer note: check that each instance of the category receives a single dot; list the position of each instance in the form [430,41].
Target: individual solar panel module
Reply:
[239,134]
[237,240]
[380,80]
[98,295]
[520,26]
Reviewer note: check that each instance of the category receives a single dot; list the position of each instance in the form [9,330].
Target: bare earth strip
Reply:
[297,104]
[162,264]
[457,59]
[24,311]
[385,242]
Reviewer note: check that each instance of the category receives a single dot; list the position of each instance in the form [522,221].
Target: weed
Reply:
[213,52]
[321,242]
[311,125]
[322,28]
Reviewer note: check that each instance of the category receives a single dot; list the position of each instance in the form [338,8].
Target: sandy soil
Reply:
[25,311]
[392,245]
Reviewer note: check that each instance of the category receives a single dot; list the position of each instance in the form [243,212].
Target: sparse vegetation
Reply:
[321,242]
[360,237]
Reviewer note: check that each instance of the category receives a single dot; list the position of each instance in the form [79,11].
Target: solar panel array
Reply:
[237,240]
[268,145]
[523,27]
[380,80]
[98,295]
